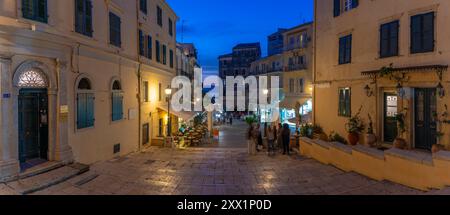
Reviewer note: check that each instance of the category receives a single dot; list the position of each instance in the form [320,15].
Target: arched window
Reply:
[33,78]
[117,101]
[85,104]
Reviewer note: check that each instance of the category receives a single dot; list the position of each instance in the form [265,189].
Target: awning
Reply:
[185,115]
[293,102]
[409,69]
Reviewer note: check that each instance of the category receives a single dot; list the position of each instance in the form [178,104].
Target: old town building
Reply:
[390,66]
[82,80]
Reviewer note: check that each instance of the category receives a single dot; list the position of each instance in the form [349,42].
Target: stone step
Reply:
[47,179]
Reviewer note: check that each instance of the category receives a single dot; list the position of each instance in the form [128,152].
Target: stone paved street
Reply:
[222,169]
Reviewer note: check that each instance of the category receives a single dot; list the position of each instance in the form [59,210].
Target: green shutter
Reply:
[90,110]
[27,9]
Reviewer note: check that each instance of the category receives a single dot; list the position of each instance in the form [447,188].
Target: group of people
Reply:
[278,136]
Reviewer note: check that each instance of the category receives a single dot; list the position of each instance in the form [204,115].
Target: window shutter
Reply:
[81,110]
[90,118]
[393,40]
[27,9]
[42,11]
[348,49]
[79,8]
[341,50]
[428,32]
[416,31]
[88,19]
[347,103]
[337,8]
[341,102]
[384,40]
[355,3]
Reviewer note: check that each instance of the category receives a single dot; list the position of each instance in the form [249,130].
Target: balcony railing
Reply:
[295,67]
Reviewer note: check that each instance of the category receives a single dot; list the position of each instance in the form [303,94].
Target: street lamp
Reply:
[168,93]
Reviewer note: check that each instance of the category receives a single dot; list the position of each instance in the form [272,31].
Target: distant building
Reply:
[226,65]
[275,42]
[186,59]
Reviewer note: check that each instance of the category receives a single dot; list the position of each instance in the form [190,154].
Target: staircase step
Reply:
[47,179]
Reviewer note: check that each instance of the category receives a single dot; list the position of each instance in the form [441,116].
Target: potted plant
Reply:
[335,137]
[370,138]
[400,142]
[318,133]
[355,126]
[441,120]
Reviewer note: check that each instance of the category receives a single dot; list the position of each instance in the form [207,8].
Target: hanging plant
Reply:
[387,71]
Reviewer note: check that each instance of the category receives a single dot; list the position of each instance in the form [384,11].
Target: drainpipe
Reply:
[315,60]
[139,79]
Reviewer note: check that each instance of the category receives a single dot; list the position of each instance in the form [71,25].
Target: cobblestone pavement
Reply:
[219,170]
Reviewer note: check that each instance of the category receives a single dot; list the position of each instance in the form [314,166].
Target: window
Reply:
[117,101]
[149,47]
[170,27]
[85,104]
[115,30]
[171,58]
[291,85]
[164,54]
[300,86]
[145,134]
[344,6]
[33,78]
[345,102]
[143,6]
[159,16]
[83,17]
[146,97]
[145,45]
[345,49]
[141,43]
[161,127]
[158,51]
[35,10]
[422,33]
[389,39]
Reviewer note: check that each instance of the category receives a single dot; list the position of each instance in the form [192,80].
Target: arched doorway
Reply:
[33,117]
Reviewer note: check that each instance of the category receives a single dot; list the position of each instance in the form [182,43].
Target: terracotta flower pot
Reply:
[437,147]
[353,139]
[370,140]
[400,143]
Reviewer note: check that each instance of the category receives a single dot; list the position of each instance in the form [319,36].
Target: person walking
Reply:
[286,136]
[259,137]
[270,140]
[251,140]
[279,137]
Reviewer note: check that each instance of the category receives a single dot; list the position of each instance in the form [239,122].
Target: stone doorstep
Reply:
[47,179]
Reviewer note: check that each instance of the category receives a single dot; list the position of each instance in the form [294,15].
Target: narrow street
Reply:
[214,170]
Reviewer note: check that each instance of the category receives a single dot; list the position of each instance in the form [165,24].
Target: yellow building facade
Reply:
[71,79]
[381,60]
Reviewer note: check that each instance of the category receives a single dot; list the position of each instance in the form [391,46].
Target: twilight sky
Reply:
[215,26]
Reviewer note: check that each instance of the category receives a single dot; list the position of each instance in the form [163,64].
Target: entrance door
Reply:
[390,112]
[33,125]
[425,120]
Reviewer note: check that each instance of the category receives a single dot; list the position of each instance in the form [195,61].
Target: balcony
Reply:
[295,67]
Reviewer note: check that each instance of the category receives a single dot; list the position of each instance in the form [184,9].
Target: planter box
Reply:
[341,156]
[369,162]
[321,151]
[305,146]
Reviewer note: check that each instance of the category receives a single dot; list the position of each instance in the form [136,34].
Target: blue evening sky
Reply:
[215,26]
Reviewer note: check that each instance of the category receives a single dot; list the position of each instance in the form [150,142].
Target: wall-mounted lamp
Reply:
[400,90]
[368,90]
[440,90]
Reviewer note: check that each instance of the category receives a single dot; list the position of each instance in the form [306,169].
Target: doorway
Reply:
[390,112]
[33,127]
[425,118]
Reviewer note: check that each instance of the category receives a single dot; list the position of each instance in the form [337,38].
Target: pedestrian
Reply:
[258,137]
[280,136]
[286,136]
[270,141]
[251,141]
[231,120]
